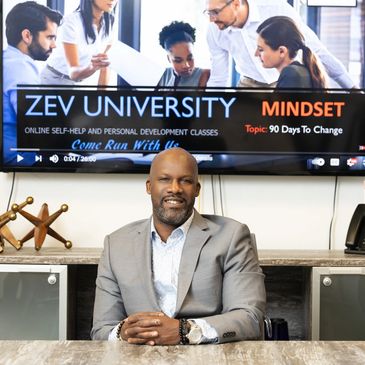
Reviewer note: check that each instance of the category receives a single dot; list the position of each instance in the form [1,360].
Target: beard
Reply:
[223,25]
[37,52]
[173,217]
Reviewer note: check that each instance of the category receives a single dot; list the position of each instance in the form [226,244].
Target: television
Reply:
[121,126]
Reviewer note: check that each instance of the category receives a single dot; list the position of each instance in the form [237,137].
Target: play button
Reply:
[19,158]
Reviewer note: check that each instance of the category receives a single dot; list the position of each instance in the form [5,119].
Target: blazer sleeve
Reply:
[243,292]
[108,298]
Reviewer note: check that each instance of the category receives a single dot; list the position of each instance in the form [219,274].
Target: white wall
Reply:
[284,212]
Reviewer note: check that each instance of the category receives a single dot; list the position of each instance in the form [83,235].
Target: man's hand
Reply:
[151,328]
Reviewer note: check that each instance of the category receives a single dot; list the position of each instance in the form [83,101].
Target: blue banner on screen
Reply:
[237,131]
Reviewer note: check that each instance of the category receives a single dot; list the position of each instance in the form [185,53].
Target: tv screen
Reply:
[109,86]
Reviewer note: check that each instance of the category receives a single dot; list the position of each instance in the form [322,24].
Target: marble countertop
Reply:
[90,256]
[245,352]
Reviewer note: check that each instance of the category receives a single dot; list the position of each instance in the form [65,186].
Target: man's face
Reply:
[173,186]
[43,43]
[221,12]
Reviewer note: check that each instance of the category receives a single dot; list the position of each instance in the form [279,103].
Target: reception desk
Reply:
[245,352]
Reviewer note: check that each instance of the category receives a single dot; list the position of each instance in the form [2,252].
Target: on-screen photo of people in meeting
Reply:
[232,33]
[278,43]
[178,40]
[83,41]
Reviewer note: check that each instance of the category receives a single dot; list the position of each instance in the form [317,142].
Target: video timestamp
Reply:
[79,158]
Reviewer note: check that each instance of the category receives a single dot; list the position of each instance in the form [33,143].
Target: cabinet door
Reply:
[33,302]
[341,299]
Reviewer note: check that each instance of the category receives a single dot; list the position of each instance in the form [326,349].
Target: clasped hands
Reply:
[150,328]
[99,61]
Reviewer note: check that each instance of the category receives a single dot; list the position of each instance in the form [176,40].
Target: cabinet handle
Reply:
[52,279]
[327,281]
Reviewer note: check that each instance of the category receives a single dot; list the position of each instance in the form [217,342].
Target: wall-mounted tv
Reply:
[112,83]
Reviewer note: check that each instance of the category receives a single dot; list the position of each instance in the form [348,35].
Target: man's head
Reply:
[173,186]
[226,13]
[32,28]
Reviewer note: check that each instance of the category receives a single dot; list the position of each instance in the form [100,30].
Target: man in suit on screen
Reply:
[178,277]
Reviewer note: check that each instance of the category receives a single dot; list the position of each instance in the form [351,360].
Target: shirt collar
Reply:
[183,229]
[18,52]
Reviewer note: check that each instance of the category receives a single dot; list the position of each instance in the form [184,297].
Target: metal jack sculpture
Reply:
[42,226]
[5,232]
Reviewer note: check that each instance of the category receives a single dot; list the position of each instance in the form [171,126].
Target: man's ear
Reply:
[27,36]
[148,186]
[237,4]
[197,191]
[168,58]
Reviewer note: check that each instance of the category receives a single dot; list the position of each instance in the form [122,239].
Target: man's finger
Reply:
[137,332]
[142,315]
[144,323]
[137,341]
[143,337]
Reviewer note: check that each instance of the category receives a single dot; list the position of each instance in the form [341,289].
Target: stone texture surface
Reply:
[86,256]
[249,352]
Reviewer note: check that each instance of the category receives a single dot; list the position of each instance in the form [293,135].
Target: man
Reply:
[31,34]
[178,277]
[232,32]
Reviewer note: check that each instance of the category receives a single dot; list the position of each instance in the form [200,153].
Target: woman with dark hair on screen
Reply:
[278,43]
[84,38]
[178,39]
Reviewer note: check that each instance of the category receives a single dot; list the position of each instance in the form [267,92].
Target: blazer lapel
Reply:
[143,256]
[197,236]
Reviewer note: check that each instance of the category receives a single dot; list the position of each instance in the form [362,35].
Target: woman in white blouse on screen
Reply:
[83,40]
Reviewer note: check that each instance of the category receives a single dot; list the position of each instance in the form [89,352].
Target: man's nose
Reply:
[175,186]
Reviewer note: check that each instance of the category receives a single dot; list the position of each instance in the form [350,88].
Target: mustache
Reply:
[173,196]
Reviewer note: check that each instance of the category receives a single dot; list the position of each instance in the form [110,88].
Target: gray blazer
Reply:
[219,278]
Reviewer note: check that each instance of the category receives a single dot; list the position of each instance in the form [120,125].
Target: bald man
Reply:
[178,277]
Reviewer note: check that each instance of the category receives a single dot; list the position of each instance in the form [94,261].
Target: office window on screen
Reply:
[340,31]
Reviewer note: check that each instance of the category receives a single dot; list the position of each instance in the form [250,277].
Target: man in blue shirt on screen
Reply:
[31,34]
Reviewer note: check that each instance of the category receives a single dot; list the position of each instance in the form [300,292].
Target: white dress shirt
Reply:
[72,31]
[166,258]
[240,43]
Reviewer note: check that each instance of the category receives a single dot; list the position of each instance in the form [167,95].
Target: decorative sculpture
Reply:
[5,232]
[42,226]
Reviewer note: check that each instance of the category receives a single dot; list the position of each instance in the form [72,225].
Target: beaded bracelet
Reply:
[119,330]
[183,331]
